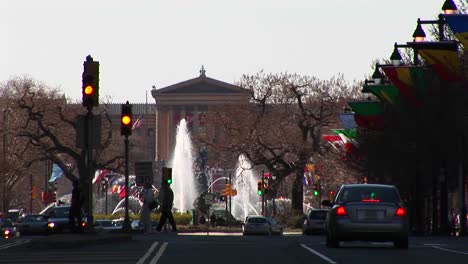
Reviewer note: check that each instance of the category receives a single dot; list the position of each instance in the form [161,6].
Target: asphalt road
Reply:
[223,249]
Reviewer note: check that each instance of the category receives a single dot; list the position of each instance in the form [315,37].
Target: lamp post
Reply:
[448,7]
[396,57]
[105,185]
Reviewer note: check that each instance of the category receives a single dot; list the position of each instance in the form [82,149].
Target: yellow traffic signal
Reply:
[90,79]
[34,192]
[126,120]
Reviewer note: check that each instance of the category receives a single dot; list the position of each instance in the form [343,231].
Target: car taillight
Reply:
[400,212]
[83,224]
[7,232]
[341,211]
[370,201]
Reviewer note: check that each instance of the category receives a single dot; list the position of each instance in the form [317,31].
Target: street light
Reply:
[449,7]
[106,186]
[396,57]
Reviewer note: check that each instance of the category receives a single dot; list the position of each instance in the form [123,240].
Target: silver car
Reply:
[256,225]
[368,212]
[314,222]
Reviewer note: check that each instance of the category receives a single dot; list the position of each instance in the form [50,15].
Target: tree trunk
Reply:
[298,192]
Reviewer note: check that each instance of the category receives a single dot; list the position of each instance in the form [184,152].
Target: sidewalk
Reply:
[77,240]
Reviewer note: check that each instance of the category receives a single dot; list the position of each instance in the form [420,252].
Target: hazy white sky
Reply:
[140,43]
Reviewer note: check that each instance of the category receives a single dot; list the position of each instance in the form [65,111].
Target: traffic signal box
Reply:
[316,189]
[260,188]
[166,175]
[228,191]
[126,120]
[90,80]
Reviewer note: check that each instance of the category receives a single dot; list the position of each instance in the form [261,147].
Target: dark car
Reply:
[33,224]
[59,219]
[368,212]
[7,227]
[314,221]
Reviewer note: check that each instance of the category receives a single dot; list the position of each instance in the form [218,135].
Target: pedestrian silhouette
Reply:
[145,214]
[166,199]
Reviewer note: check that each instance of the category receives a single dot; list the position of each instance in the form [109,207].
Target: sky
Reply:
[141,43]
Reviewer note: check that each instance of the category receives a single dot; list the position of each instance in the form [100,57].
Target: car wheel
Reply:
[401,243]
[332,242]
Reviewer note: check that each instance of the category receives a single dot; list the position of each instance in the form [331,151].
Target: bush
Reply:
[180,218]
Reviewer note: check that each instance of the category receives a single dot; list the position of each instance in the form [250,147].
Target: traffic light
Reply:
[167,175]
[227,190]
[34,192]
[90,80]
[260,188]
[316,189]
[126,120]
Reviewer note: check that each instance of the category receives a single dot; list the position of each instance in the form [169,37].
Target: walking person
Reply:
[166,199]
[76,203]
[145,214]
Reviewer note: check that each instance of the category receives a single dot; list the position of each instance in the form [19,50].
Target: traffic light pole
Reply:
[126,225]
[263,194]
[87,181]
[230,193]
[226,201]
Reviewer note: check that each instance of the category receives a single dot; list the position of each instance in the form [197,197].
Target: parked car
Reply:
[275,227]
[7,227]
[33,224]
[106,225]
[314,221]
[59,218]
[256,225]
[369,212]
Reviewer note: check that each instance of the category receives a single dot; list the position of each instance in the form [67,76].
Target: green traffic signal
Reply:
[315,193]
[169,181]
[259,192]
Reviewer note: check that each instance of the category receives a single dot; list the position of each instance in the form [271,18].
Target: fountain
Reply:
[184,185]
[245,182]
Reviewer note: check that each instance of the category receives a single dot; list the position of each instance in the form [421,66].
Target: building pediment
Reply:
[201,90]
[201,84]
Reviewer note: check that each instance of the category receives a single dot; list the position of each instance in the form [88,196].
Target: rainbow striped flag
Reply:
[458,23]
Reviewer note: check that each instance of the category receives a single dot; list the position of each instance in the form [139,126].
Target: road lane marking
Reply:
[148,253]
[449,250]
[159,254]
[319,254]
[14,244]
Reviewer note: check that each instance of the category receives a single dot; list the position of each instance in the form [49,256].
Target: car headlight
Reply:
[51,225]
[7,232]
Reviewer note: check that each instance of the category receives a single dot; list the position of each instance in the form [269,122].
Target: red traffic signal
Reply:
[126,120]
[90,81]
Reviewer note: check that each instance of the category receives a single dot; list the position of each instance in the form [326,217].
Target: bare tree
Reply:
[282,126]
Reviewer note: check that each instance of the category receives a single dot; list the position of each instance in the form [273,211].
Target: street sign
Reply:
[209,198]
[143,172]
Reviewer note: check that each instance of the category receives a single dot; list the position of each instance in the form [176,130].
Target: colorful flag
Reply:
[409,80]
[99,174]
[137,123]
[368,114]
[442,56]
[458,23]
[56,173]
[386,93]
[347,119]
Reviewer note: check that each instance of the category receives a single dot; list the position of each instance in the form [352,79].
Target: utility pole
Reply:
[230,194]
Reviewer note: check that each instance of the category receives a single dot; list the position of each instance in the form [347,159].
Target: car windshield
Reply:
[6,223]
[317,214]
[369,194]
[256,220]
[59,212]
[35,218]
